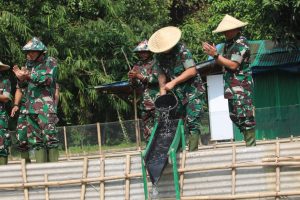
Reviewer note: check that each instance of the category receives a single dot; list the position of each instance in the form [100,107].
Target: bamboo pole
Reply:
[46,188]
[127,180]
[182,174]
[237,165]
[24,176]
[135,175]
[84,175]
[233,172]
[102,173]
[277,168]
[223,145]
[137,135]
[99,138]
[66,143]
[243,196]
[290,158]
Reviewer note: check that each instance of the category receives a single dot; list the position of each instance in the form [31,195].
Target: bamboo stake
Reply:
[277,168]
[99,138]
[66,143]
[24,176]
[127,181]
[233,172]
[182,174]
[137,134]
[136,121]
[46,188]
[102,173]
[84,174]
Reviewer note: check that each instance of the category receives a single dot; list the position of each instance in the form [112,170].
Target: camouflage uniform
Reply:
[190,94]
[40,106]
[149,71]
[238,84]
[21,124]
[5,140]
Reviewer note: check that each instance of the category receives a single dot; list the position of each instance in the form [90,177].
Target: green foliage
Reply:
[87,38]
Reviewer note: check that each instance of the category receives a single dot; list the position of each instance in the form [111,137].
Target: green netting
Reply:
[277,101]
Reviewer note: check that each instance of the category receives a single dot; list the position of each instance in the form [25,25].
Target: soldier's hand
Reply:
[14,110]
[209,49]
[169,86]
[20,74]
[132,74]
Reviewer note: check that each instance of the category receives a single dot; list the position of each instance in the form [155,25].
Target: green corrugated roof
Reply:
[266,53]
[269,53]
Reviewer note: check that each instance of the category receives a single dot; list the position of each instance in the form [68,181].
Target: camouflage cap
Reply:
[34,44]
[142,46]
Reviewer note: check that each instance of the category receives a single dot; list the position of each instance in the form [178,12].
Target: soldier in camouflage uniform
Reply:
[178,73]
[5,96]
[145,74]
[238,82]
[19,105]
[40,100]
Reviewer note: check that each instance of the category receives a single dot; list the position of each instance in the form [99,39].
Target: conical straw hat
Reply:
[229,23]
[164,39]
[3,67]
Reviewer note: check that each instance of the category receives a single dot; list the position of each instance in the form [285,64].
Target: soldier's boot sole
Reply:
[40,155]
[53,155]
[193,142]
[25,155]
[3,160]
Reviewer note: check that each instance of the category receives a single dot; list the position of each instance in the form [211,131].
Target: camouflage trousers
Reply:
[242,113]
[191,112]
[5,140]
[22,133]
[42,131]
[148,118]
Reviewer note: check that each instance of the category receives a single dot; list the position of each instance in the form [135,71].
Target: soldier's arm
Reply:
[211,50]
[5,95]
[56,96]
[44,76]
[17,100]
[162,81]
[4,98]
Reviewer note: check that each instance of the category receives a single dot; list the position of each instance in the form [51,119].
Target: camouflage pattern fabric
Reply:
[238,84]
[149,71]
[22,123]
[191,94]
[34,44]
[5,140]
[142,46]
[40,106]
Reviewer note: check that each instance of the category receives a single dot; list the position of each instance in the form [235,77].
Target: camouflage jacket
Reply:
[41,87]
[5,89]
[174,64]
[238,84]
[150,71]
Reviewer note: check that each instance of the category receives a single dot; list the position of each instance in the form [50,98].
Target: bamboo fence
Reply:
[183,168]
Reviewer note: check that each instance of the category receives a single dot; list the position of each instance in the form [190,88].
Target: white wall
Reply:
[221,127]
